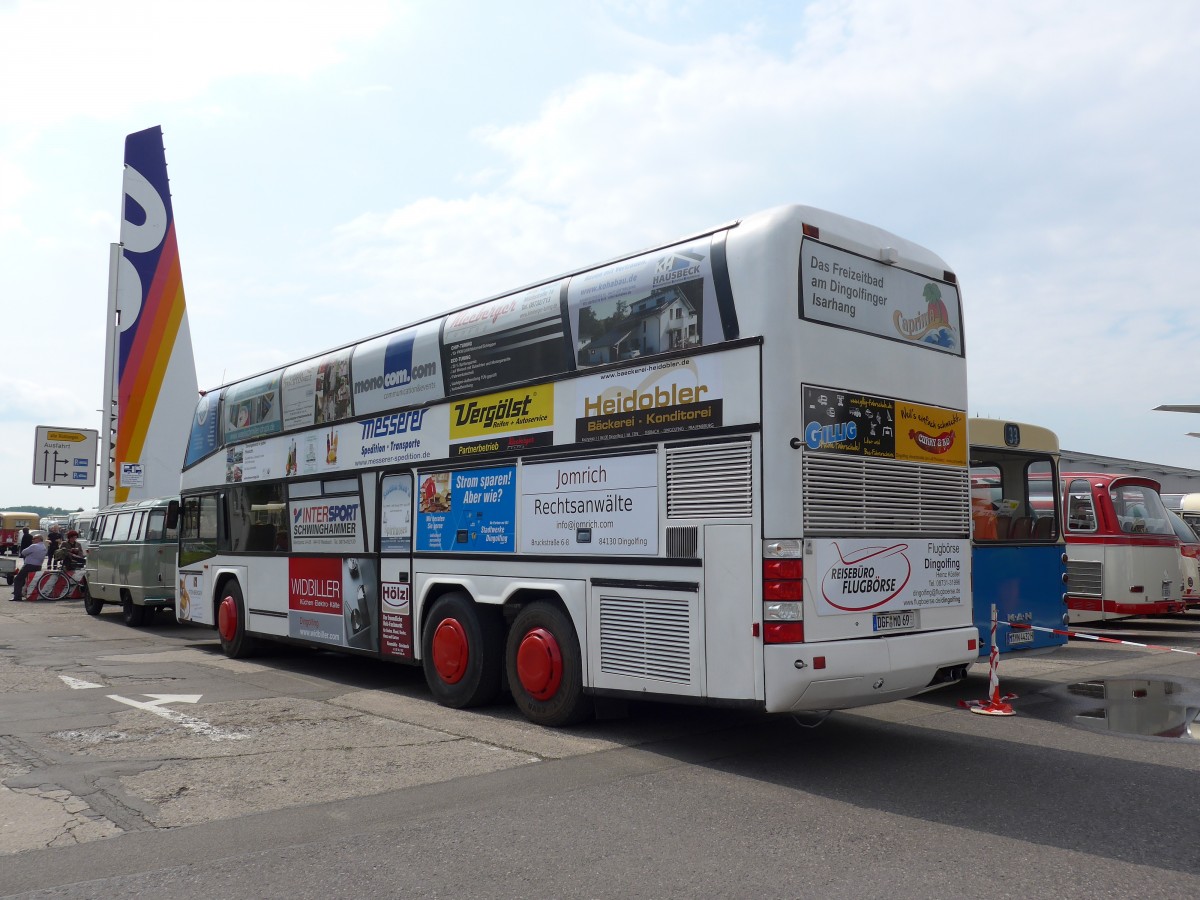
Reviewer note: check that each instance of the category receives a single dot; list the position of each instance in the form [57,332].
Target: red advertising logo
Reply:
[931,443]
[867,578]
[315,584]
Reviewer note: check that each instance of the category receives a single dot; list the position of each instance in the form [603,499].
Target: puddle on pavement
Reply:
[1145,707]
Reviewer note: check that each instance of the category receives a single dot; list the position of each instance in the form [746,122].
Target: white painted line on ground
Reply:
[78,683]
[191,723]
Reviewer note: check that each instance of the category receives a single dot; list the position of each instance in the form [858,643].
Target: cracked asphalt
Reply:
[79,763]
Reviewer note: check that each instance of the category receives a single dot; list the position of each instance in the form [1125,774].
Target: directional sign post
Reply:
[65,457]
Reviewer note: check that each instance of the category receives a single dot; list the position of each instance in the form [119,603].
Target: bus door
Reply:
[160,549]
[201,533]
[395,565]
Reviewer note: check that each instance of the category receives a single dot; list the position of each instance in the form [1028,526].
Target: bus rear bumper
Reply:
[1083,606]
[845,674]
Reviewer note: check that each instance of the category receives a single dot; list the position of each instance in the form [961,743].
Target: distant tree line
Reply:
[41,511]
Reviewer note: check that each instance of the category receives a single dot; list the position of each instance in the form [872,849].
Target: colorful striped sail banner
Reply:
[152,389]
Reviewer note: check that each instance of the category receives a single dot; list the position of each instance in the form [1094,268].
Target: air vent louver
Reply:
[852,494]
[710,482]
[645,638]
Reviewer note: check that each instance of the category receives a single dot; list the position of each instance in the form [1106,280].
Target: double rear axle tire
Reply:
[467,657]
[545,666]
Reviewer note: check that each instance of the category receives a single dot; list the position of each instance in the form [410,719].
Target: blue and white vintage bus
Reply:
[1018,554]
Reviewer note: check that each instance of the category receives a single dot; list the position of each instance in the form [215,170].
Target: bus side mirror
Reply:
[173,514]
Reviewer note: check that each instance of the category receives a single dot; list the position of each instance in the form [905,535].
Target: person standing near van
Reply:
[53,540]
[33,555]
[26,539]
[70,555]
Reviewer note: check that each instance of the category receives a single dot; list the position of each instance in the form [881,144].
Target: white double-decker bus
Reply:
[731,469]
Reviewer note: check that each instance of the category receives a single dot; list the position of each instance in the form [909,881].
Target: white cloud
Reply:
[63,59]
[435,254]
[17,186]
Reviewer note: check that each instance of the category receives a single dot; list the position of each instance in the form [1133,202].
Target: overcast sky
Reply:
[340,169]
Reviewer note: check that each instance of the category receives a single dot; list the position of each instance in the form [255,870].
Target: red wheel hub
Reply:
[539,664]
[451,651]
[227,619]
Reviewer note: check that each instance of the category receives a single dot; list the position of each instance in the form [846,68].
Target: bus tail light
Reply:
[783,568]
[783,601]
[783,633]
[783,590]
[783,621]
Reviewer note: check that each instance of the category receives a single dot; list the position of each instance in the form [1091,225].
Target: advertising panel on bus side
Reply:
[206,433]
[605,505]
[661,398]
[317,391]
[643,306]
[838,421]
[331,600]
[327,525]
[869,575]
[506,422]
[398,369]
[472,510]
[842,288]
[674,396]
[252,409]
[505,341]
[393,439]
[395,514]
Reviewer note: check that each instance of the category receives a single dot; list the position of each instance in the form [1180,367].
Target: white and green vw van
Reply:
[131,558]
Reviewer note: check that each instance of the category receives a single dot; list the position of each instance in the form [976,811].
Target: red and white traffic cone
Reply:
[996,704]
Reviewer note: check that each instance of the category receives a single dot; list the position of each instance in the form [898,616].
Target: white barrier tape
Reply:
[1096,637]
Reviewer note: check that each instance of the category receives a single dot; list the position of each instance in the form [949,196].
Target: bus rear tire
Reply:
[545,666]
[231,623]
[133,615]
[461,652]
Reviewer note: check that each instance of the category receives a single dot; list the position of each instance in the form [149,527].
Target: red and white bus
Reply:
[731,469]
[11,524]
[1123,556]
[1189,559]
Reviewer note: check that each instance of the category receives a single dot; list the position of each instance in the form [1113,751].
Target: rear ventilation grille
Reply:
[646,638]
[846,494]
[1085,578]
[683,542]
[715,481]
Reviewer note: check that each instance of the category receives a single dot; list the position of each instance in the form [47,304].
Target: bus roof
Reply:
[16,514]
[1110,478]
[151,503]
[996,433]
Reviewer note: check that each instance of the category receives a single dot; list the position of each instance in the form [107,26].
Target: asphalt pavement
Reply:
[139,760]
